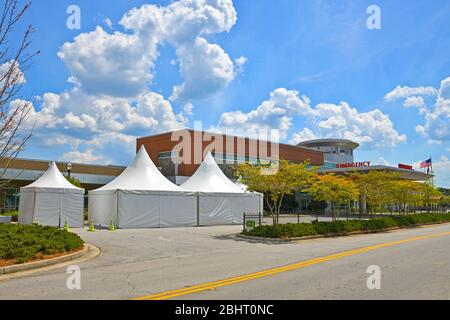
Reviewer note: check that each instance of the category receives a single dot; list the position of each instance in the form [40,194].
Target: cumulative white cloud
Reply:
[101,122]
[405,92]
[182,21]
[416,102]
[121,64]
[437,126]
[420,130]
[382,161]
[108,23]
[206,68]
[115,64]
[304,135]
[276,113]
[82,157]
[441,169]
[370,129]
[240,63]
[188,109]
[110,102]
[437,117]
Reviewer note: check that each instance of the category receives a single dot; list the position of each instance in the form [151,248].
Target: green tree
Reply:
[288,178]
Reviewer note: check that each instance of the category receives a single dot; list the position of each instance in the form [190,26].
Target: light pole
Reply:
[69,168]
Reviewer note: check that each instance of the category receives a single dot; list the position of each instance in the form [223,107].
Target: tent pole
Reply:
[117,209]
[34,207]
[198,209]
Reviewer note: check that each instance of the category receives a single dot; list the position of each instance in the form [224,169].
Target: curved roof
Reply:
[210,178]
[329,143]
[52,179]
[141,174]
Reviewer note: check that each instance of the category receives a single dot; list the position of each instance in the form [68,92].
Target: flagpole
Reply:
[430,168]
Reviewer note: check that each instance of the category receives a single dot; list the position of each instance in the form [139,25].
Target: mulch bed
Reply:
[39,256]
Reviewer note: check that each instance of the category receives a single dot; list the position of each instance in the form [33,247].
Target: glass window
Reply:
[240,159]
[167,155]
[225,158]
[329,165]
[12,199]
[253,160]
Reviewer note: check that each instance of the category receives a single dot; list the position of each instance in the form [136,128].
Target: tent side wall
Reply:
[26,207]
[72,209]
[148,209]
[137,210]
[178,211]
[103,208]
[250,203]
[156,209]
[46,208]
[227,208]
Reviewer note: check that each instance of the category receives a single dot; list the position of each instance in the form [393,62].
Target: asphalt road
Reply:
[142,263]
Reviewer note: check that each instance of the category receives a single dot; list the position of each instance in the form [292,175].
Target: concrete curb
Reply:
[44,263]
[330,235]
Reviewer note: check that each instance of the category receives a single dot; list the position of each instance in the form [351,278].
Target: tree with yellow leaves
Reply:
[404,193]
[288,178]
[377,187]
[430,195]
[334,189]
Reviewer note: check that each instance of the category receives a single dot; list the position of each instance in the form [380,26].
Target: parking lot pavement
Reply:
[147,244]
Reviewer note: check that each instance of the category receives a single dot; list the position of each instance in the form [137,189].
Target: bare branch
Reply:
[15,130]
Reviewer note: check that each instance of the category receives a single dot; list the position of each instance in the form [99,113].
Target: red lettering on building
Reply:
[354,164]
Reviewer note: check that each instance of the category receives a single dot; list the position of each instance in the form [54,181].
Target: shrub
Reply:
[344,227]
[26,242]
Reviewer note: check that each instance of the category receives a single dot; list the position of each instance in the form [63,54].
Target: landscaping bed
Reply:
[298,230]
[22,243]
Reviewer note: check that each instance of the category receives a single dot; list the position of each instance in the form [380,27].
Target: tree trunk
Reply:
[279,208]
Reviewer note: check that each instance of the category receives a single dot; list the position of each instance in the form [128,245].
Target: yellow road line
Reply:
[273,271]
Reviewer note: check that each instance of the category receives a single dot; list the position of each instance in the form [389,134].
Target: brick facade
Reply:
[162,143]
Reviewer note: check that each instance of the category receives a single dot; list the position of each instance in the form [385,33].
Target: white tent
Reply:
[141,197]
[242,186]
[52,200]
[221,201]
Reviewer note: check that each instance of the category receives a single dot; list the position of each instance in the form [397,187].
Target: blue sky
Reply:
[310,68]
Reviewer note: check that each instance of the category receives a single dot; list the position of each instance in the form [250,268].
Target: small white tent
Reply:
[141,197]
[52,200]
[221,201]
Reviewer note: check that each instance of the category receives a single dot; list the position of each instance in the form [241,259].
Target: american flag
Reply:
[426,163]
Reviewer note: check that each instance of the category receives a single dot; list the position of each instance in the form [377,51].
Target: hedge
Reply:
[295,230]
[27,242]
